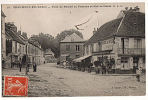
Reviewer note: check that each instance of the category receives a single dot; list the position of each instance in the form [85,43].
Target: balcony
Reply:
[131,51]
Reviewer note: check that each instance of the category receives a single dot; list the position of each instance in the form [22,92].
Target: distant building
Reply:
[122,39]
[3,36]
[49,56]
[35,52]
[71,47]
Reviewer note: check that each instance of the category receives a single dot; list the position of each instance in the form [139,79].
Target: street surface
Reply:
[52,81]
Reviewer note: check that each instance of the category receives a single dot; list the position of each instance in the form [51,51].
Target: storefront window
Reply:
[77,48]
[124,59]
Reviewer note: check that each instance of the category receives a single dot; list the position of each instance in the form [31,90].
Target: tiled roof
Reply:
[10,33]
[105,30]
[72,38]
[133,24]
[34,42]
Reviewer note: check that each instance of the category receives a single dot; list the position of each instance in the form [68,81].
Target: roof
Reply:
[11,35]
[105,30]
[48,52]
[133,24]
[72,38]
[2,14]
[34,43]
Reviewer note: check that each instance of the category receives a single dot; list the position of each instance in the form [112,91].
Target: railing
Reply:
[131,51]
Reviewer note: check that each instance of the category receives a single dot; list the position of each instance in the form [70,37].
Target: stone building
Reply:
[14,45]
[122,39]
[71,47]
[34,52]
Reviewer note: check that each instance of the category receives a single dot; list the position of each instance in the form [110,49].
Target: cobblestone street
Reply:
[52,81]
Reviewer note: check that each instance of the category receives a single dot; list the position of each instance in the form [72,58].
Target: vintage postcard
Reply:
[73,49]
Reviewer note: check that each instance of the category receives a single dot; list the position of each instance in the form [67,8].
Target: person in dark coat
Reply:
[34,67]
[20,65]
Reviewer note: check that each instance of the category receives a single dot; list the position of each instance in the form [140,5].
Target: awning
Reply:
[81,58]
[102,52]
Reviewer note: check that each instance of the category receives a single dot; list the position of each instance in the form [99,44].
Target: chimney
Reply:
[130,9]
[12,26]
[137,9]
[97,29]
[24,34]
[94,31]
[19,32]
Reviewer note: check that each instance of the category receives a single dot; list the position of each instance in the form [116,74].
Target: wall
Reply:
[129,64]
[3,37]
[72,52]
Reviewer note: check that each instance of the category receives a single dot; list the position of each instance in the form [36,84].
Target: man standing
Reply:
[34,67]
[138,72]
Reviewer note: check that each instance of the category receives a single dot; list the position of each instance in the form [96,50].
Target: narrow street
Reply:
[52,81]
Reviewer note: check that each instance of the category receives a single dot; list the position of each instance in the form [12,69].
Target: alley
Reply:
[52,81]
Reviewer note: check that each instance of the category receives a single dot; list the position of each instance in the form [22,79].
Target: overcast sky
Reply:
[54,20]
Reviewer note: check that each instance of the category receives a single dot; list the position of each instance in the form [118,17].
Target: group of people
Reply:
[25,64]
[100,67]
[27,67]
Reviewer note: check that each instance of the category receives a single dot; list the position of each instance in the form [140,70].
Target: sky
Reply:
[55,18]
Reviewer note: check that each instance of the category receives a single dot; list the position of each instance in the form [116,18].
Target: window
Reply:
[77,56]
[67,47]
[124,59]
[144,60]
[77,48]
[2,43]
[137,43]
[135,59]
[124,43]
[15,47]
[2,25]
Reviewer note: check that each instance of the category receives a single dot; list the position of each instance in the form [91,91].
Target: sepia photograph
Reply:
[73,49]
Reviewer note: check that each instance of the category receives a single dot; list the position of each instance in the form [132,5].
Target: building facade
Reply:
[15,47]
[49,56]
[20,48]
[35,52]
[71,47]
[122,40]
[3,36]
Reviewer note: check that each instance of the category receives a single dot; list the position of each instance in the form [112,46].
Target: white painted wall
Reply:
[143,43]
[131,42]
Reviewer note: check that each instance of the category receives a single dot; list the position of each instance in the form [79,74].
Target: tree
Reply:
[48,41]
[64,33]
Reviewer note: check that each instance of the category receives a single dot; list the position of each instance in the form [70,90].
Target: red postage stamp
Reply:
[15,86]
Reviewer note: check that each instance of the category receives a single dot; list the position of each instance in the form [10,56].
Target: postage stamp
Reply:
[15,86]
